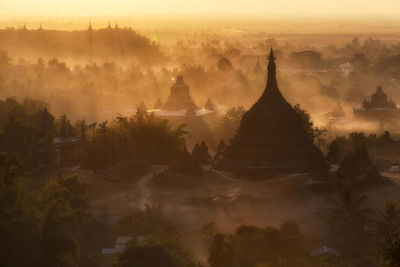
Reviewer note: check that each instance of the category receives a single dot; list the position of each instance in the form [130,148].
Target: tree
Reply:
[19,216]
[387,234]
[357,139]
[229,123]
[221,253]
[200,153]
[334,154]
[64,126]
[254,246]
[145,256]
[64,209]
[346,218]
[356,164]
[39,227]
[220,150]
[308,124]
[224,65]
[82,131]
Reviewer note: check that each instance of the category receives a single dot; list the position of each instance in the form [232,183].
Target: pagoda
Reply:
[181,109]
[271,138]
[180,97]
[180,103]
[257,68]
[380,108]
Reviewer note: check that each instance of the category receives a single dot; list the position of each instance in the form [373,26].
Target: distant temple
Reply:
[180,103]
[380,108]
[271,137]
[179,98]
[257,68]
[181,109]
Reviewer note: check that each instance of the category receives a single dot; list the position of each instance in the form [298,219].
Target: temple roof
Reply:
[271,135]
[379,100]
[180,97]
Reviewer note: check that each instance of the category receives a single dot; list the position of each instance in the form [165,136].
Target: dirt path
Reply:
[280,178]
[142,186]
[395,177]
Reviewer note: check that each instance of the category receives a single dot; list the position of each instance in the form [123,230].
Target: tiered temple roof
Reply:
[180,103]
[271,137]
[379,100]
[180,97]
[379,109]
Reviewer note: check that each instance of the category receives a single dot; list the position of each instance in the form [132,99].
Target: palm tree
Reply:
[346,216]
[390,216]
[388,234]
[82,129]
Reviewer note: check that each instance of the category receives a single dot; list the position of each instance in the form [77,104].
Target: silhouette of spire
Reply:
[109,26]
[272,84]
[90,27]
[116,26]
[40,27]
[24,27]
[271,63]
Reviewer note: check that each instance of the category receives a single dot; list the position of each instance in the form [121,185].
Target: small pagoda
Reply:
[271,138]
[380,108]
[257,69]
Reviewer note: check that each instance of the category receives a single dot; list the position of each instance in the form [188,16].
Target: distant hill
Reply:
[107,44]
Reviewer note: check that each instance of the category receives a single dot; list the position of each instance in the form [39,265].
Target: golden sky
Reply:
[200,7]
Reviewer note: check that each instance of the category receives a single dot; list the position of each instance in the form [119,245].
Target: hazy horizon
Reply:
[19,8]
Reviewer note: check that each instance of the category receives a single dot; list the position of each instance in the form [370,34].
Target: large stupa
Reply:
[271,137]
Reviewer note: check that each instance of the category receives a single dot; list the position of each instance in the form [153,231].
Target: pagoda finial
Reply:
[272,84]
[90,26]
[271,63]
[109,25]
[271,54]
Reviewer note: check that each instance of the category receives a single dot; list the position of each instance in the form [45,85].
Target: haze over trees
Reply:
[75,137]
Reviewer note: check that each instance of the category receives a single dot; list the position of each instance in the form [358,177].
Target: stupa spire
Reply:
[271,62]
[272,84]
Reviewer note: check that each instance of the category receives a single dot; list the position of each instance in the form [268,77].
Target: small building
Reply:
[394,169]
[346,68]
[68,151]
